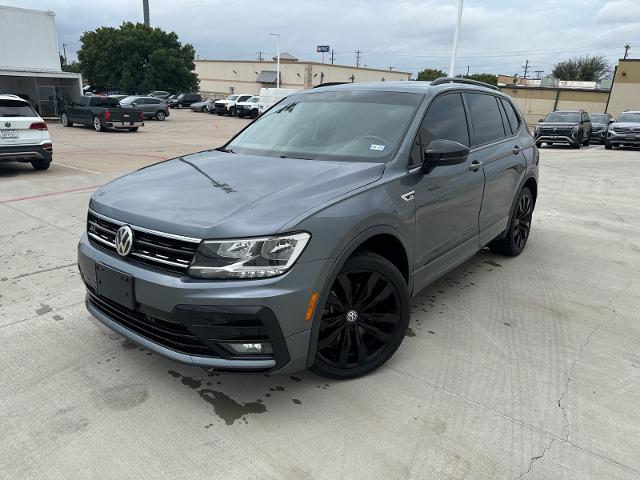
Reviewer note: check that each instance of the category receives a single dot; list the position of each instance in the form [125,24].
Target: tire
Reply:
[587,142]
[539,144]
[578,143]
[255,114]
[179,106]
[41,164]
[515,239]
[608,145]
[133,129]
[364,319]
[160,115]
[64,120]
[232,112]
[97,124]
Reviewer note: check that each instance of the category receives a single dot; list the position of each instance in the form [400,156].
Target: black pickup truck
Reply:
[101,113]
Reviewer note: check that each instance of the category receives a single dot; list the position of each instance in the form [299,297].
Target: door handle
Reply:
[475,166]
[516,150]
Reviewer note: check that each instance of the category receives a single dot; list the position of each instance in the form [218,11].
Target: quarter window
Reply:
[485,118]
[512,116]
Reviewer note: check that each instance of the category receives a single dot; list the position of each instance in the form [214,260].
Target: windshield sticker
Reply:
[376,147]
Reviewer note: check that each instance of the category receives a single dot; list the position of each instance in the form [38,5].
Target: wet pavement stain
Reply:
[410,332]
[295,379]
[191,382]
[129,345]
[493,263]
[431,332]
[44,308]
[227,408]
[296,401]
[174,374]
[57,318]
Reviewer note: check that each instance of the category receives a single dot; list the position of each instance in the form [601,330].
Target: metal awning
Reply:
[267,76]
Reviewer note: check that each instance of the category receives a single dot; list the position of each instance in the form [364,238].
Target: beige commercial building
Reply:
[222,77]
[625,91]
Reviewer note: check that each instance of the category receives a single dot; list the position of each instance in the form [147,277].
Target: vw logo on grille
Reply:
[124,240]
[7,124]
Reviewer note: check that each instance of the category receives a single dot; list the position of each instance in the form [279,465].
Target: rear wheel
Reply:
[64,119]
[608,145]
[133,129]
[160,115]
[578,143]
[515,239]
[364,318]
[40,164]
[97,124]
[232,112]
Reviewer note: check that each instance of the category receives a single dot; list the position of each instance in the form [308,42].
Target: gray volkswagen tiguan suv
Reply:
[300,242]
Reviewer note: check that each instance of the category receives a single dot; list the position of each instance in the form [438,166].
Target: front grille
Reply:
[635,130]
[164,251]
[168,334]
[555,131]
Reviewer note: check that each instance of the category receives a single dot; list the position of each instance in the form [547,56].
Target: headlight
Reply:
[537,129]
[575,128]
[248,258]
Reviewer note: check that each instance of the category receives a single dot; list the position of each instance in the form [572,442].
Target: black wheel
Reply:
[578,143]
[133,129]
[41,164]
[539,144]
[587,141]
[179,106]
[254,113]
[64,120]
[232,112]
[160,115]
[515,239]
[364,318]
[97,124]
[608,145]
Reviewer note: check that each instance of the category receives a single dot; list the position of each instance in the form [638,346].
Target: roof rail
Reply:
[440,81]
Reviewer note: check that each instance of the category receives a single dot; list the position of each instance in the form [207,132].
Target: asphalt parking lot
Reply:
[512,368]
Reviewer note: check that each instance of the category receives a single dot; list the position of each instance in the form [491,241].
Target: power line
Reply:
[526,69]
[358,52]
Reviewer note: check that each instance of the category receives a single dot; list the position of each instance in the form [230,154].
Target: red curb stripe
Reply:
[50,194]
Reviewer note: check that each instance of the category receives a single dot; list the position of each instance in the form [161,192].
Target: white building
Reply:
[30,62]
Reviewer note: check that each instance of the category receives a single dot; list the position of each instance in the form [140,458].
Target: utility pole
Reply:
[277,35]
[526,69]
[145,12]
[64,49]
[538,74]
[259,56]
[332,57]
[626,50]
[467,70]
[358,52]
[390,69]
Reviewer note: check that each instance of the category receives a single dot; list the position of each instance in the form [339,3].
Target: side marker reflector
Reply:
[312,305]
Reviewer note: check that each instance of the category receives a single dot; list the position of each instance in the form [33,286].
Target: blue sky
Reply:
[497,36]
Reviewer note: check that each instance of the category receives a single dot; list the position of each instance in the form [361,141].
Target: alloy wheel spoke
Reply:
[362,350]
[380,318]
[376,332]
[331,338]
[344,282]
[336,302]
[381,297]
[367,291]
[345,348]
[331,321]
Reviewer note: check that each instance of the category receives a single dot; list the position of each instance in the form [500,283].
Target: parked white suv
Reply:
[228,105]
[24,136]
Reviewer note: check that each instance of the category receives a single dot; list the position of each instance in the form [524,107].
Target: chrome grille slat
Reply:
[150,247]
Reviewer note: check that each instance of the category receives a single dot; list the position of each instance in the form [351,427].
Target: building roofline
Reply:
[30,10]
[303,62]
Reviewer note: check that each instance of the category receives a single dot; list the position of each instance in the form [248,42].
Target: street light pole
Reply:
[277,35]
[455,39]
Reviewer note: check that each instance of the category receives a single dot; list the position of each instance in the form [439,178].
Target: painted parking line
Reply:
[75,168]
[49,194]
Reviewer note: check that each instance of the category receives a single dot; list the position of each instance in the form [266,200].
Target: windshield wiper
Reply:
[226,150]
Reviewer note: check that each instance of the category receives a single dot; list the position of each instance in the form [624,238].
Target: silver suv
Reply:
[301,241]
[625,131]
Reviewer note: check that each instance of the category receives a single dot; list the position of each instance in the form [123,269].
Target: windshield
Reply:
[599,118]
[629,117]
[345,126]
[232,97]
[128,100]
[564,117]
[16,108]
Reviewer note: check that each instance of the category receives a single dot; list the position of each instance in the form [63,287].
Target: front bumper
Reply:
[623,138]
[25,153]
[599,136]
[565,139]
[168,304]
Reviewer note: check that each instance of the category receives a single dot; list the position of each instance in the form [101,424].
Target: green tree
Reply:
[586,69]
[73,67]
[135,58]
[489,78]
[429,74]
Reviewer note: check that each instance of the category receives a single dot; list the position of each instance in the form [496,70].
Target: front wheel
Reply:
[578,143]
[608,145]
[517,234]
[97,124]
[160,115]
[232,112]
[364,319]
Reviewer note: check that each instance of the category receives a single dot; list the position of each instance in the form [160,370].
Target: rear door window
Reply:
[104,102]
[16,108]
[486,120]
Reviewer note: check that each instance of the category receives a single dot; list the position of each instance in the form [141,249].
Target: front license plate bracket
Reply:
[115,285]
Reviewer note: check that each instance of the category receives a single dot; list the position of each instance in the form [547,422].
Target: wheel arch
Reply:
[384,240]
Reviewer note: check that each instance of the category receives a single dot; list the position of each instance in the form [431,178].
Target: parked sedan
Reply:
[151,107]
[204,105]
[599,126]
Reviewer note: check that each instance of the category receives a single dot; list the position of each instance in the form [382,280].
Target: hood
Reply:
[634,126]
[558,124]
[223,195]
[598,124]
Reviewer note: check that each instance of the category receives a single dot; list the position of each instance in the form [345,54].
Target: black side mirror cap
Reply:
[444,152]
[540,120]
[611,120]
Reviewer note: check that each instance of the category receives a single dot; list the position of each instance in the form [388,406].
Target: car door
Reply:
[148,106]
[75,109]
[498,150]
[447,197]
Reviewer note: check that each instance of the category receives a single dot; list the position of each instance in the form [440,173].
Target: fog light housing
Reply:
[250,348]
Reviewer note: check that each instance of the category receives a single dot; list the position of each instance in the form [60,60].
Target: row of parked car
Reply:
[577,128]
[243,105]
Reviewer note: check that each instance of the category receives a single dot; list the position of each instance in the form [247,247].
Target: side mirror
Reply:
[444,152]
[134,104]
[611,120]
[540,120]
